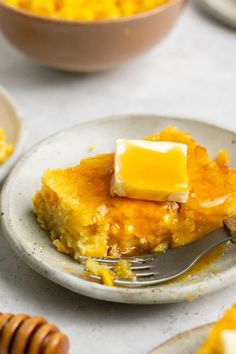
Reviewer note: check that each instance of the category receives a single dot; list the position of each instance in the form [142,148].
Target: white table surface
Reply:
[192,73]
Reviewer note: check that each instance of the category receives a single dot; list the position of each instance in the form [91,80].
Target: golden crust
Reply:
[75,205]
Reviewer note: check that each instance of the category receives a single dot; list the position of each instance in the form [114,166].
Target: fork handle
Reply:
[230,226]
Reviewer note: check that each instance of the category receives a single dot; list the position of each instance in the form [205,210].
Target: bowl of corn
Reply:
[86,36]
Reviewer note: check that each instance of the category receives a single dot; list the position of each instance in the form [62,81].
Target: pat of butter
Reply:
[150,170]
[228,340]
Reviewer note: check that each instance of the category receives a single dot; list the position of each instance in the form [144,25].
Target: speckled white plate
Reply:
[12,123]
[222,10]
[184,343]
[67,148]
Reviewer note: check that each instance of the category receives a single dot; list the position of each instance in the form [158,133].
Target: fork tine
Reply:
[100,260]
[134,269]
[131,283]
[139,282]
[144,259]
[125,281]
[144,274]
[136,263]
[94,277]
[140,267]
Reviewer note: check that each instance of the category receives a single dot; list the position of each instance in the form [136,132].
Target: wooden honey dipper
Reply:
[22,334]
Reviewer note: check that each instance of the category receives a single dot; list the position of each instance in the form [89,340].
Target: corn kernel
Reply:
[86,10]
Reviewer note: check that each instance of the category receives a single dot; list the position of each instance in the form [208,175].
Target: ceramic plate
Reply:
[224,11]
[184,343]
[11,122]
[67,148]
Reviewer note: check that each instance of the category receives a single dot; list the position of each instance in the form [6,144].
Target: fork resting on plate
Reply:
[160,267]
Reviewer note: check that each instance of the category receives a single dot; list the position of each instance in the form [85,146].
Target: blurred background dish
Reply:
[87,46]
[222,10]
[184,343]
[12,124]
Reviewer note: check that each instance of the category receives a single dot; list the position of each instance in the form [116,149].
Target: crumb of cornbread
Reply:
[107,276]
[76,207]
[213,344]
[86,10]
[91,148]
[122,270]
[5,149]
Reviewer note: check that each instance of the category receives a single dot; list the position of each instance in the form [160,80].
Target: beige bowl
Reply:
[87,45]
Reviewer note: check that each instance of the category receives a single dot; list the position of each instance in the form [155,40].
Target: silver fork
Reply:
[161,267]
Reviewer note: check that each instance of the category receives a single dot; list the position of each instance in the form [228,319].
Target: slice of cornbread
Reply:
[76,207]
[222,336]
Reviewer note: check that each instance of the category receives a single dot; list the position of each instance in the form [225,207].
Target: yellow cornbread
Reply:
[122,270]
[76,207]
[86,10]
[106,275]
[5,149]
[214,343]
